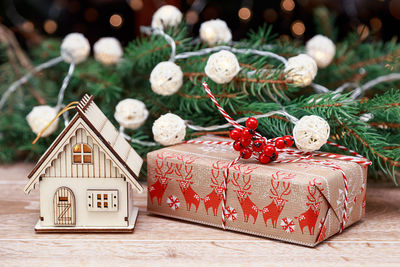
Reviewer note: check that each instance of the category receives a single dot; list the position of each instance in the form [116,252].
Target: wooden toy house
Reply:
[86,177]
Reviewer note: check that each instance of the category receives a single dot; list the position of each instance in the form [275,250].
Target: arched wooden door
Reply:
[64,207]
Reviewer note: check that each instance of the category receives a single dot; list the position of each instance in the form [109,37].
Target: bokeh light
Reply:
[50,26]
[192,17]
[394,8]
[363,31]
[298,28]
[287,5]
[136,5]
[244,13]
[91,14]
[376,24]
[116,20]
[270,15]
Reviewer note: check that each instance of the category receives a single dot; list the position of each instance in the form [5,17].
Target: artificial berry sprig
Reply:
[248,143]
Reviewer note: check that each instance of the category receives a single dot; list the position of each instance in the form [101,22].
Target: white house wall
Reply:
[79,186]
[102,165]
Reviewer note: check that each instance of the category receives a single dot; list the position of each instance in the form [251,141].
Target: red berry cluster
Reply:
[248,144]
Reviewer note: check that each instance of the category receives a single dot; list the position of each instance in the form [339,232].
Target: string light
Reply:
[298,28]
[288,5]
[136,5]
[50,26]
[91,14]
[116,20]
[192,17]
[376,24]
[270,15]
[363,31]
[244,13]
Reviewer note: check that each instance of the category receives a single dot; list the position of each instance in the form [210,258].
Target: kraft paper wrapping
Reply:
[298,202]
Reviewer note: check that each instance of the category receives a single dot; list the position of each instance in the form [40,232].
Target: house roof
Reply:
[110,137]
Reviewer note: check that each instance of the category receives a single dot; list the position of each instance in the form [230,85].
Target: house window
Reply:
[82,154]
[102,200]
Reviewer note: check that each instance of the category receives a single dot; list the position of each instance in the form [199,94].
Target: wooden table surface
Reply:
[161,241]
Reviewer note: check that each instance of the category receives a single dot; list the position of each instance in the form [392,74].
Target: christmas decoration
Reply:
[283,201]
[321,49]
[301,69]
[169,129]
[264,89]
[166,16]
[75,48]
[222,67]
[131,113]
[215,31]
[40,117]
[311,133]
[173,202]
[107,50]
[89,149]
[166,78]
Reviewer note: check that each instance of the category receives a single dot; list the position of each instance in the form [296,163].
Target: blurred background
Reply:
[294,19]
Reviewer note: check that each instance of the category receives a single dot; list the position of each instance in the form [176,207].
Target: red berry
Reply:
[258,145]
[245,142]
[279,143]
[246,153]
[237,145]
[269,150]
[252,123]
[288,140]
[247,133]
[263,158]
[274,156]
[235,134]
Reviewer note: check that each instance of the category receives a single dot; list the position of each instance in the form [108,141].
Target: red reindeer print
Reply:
[158,188]
[273,210]
[214,199]
[310,217]
[185,172]
[243,194]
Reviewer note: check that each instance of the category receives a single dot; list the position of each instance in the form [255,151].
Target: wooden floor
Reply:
[160,241]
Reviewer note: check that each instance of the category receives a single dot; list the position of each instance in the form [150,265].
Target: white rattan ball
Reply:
[166,78]
[169,129]
[131,113]
[321,49]
[310,133]
[75,48]
[40,117]
[222,66]
[215,31]
[301,69]
[166,16]
[107,50]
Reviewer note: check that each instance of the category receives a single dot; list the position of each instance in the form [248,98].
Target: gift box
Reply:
[300,202]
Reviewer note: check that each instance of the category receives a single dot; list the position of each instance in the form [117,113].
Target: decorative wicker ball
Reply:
[222,66]
[107,50]
[169,129]
[301,69]
[166,16]
[166,78]
[310,133]
[75,48]
[321,49]
[131,113]
[40,117]
[215,31]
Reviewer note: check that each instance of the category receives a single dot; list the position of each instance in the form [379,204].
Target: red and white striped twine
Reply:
[357,158]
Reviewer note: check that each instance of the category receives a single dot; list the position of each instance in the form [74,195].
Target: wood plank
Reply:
[161,241]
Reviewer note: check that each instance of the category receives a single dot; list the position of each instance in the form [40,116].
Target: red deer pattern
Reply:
[243,194]
[157,189]
[213,199]
[184,170]
[309,218]
[273,210]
